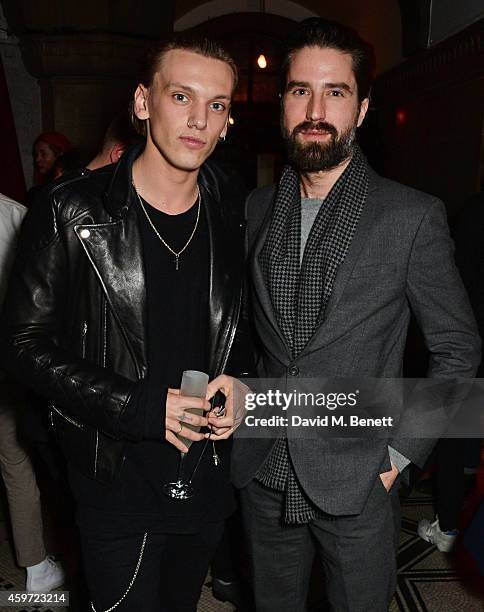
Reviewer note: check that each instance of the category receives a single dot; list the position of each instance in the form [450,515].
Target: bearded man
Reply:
[339,257]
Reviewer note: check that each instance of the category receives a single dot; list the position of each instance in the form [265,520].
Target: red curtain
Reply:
[12,182]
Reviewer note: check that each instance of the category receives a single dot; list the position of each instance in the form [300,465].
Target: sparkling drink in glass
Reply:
[194,384]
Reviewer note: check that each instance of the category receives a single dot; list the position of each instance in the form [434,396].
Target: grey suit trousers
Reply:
[357,553]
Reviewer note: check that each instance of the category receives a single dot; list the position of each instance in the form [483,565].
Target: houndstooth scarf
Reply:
[300,292]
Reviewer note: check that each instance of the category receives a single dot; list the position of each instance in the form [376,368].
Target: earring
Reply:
[221,138]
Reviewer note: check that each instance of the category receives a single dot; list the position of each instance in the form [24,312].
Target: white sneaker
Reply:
[45,576]
[431,532]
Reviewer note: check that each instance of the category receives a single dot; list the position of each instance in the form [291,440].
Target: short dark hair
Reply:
[319,32]
[120,131]
[186,41]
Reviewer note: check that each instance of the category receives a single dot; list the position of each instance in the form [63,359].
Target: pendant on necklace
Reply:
[176,261]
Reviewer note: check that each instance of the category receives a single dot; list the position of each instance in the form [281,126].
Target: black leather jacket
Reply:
[73,324]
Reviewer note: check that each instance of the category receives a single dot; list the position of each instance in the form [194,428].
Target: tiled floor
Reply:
[11,578]
[428,581]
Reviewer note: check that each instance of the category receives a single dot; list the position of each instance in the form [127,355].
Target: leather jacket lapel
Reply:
[114,250]
[225,293]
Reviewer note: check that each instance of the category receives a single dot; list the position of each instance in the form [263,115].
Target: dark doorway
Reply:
[254,144]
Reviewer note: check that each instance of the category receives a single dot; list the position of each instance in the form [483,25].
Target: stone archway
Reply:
[254,144]
[217,8]
[378,21]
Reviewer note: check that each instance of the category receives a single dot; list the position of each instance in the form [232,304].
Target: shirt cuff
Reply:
[398,460]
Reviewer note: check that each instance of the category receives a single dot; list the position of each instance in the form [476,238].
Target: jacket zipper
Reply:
[105,320]
[84,334]
[65,417]
[84,337]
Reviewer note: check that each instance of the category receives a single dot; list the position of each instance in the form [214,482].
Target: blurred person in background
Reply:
[48,147]
[119,136]
[458,460]
[43,572]
[67,162]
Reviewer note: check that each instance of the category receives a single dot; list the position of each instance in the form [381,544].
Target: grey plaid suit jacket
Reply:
[400,260]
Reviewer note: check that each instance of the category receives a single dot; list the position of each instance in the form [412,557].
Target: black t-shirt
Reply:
[177,314]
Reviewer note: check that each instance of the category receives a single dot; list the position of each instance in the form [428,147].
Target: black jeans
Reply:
[166,574]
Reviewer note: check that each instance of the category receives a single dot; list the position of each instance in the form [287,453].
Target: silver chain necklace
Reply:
[163,242]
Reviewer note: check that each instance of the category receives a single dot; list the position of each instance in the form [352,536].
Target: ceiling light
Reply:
[261,61]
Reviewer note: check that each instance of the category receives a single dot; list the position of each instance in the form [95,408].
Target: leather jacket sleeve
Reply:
[34,338]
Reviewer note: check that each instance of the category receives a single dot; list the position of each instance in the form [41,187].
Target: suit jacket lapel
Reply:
[262,295]
[261,290]
[323,332]
[345,270]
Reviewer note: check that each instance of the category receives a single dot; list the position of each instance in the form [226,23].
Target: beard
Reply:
[317,156]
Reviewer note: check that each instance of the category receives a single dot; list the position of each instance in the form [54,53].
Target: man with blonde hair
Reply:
[127,276]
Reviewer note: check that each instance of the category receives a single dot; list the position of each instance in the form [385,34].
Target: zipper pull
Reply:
[215,457]
[84,335]
[218,412]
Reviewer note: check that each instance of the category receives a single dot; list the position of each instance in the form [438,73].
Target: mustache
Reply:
[320,126]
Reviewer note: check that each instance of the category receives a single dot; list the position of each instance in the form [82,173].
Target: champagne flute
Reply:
[194,384]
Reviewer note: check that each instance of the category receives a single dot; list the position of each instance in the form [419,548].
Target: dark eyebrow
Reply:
[344,86]
[191,90]
[180,86]
[293,84]
[305,84]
